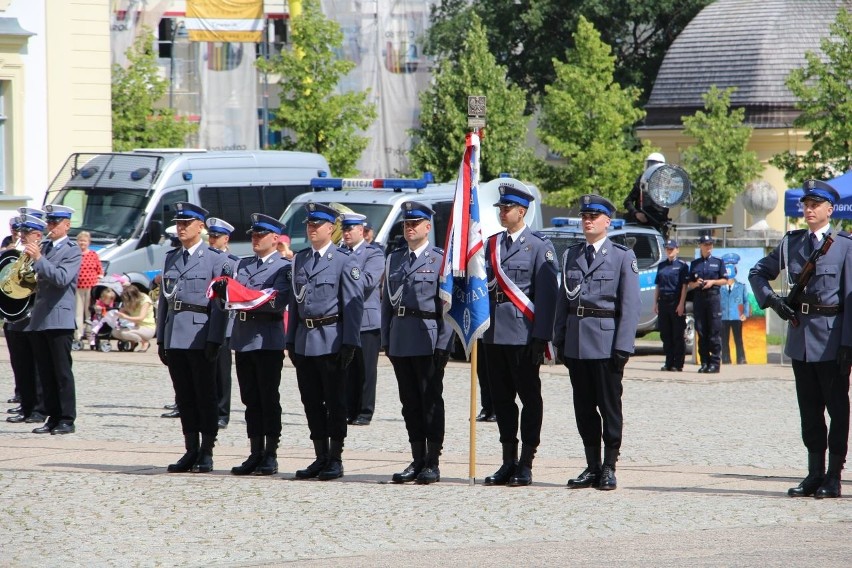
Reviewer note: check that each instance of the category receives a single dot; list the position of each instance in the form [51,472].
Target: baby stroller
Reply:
[104,319]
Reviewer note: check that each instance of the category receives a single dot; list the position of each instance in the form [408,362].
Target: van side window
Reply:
[165,211]
[234,205]
[645,247]
[440,221]
[276,198]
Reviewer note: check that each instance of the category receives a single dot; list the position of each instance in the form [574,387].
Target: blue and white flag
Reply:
[464,283]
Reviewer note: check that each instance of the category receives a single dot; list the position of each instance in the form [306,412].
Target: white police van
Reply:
[380,200]
[648,246]
[126,199]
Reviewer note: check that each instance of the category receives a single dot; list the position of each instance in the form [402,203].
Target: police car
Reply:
[648,246]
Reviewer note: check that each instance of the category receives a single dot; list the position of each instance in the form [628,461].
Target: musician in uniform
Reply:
[190,332]
[707,274]
[670,306]
[361,374]
[417,341]
[218,236]
[597,313]
[22,358]
[819,337]
[258,341]
[323,332]
[53,320]
[521,268]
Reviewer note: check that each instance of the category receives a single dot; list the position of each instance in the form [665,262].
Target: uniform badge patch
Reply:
[548,256]
[635,266]
[355,273]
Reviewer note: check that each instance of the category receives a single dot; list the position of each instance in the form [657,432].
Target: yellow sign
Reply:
[225,20]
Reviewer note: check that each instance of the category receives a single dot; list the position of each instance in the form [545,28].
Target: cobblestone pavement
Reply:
[702,481]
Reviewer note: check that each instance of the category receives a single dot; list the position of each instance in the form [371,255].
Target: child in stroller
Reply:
[105,314]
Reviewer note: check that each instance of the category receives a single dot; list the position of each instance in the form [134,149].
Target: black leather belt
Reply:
[670,296]
[815,309]
[263,316]
[179,306]
[499,297]
[584,312]
[311,323]
[402,312]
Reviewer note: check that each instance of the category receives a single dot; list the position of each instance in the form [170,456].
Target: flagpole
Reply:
[475,120]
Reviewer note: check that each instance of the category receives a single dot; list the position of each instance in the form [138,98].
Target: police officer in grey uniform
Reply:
[53,320]
[417,341]
[820,344]
[521,268]
[218,236]
[707,274]
[22,358]
[361,374]
[323,332]
[597,313]
[190,332]
[258,341]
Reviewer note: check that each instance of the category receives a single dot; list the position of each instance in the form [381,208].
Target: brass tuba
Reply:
[337,234]
[18,282]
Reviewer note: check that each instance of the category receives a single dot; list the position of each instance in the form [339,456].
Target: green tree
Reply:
[440,138]
[313,116]
[587,118]
[824,96]
[136,91]
[718,164]
[526,36]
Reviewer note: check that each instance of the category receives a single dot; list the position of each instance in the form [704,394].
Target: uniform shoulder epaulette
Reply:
[172,250]
[844,234]
[345,251]
[622,247]
[794,232]
[575,245]
[375,246]
[438,250]
[233,257]
[541,236]
[217,251]
[398,250]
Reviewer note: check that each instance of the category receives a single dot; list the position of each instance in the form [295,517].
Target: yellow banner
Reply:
[225,20]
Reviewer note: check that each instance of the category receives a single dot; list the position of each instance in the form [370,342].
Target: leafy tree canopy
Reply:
[313,116]
[136,91]
[718,163]
[824,92]
[587,119]
[440,138]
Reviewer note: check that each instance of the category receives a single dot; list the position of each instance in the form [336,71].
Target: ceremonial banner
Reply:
[225,20]
[463,285]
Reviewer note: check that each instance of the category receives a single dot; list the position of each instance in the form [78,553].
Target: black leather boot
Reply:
[830,488]
[592,474]
[814,479]
[430,473]
[185,463]
[334,465]
[607,481]
[204,463]
[523,473]
[418,453]
[313,470]
[507,470]
[269,464]
[253,460]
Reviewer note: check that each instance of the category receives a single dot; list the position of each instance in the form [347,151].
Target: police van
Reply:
[126,199]
[381,199]
[648,246]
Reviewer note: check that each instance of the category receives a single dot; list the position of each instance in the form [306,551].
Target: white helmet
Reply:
[656,157]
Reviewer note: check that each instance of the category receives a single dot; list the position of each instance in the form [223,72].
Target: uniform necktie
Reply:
[48,246]
[508,241]
[316,258]
[259,262]
[590,254]
[185,256]
[814,242]
[412,258]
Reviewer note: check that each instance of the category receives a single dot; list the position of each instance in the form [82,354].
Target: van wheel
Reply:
[689,333]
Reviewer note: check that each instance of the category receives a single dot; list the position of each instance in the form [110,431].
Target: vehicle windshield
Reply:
[295,215]
[108,214]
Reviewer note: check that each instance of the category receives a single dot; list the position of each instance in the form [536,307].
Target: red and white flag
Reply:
[238,297]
